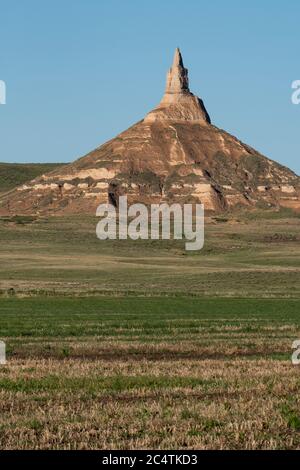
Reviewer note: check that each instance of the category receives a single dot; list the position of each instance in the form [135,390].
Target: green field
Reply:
[141,345]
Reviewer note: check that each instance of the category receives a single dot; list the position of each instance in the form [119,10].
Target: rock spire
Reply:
[177,78]
[178,103]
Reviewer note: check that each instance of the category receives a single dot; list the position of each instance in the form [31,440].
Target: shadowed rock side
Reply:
[175,155]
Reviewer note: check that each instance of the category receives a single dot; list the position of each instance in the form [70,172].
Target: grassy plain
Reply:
[143,345]
[243,256]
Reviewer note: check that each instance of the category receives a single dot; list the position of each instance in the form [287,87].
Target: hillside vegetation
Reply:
[14,174]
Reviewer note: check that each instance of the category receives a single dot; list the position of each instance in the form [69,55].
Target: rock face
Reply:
[175,154]
[178,103]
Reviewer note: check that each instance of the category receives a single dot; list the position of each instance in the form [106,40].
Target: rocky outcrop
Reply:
[175,154]
[178,103]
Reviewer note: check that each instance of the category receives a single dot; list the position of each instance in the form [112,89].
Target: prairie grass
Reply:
[166,373]
[141,345]
[242,257]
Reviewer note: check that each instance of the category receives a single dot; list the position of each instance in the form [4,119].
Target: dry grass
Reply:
[241,257]
[187,379]
[205,365]
[96,404]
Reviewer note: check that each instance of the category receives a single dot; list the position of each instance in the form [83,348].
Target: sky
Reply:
[78,72]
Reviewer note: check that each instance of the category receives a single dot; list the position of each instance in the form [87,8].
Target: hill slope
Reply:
[15,174]
[175,154]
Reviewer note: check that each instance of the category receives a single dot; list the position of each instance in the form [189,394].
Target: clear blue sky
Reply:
[80,71]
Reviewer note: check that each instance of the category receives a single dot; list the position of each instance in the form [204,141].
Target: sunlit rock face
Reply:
[178,103]
[174,154]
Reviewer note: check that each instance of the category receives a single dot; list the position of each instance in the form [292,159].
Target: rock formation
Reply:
[174,154]
[178,103]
